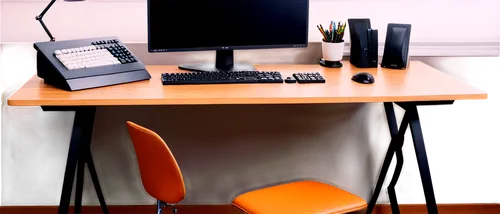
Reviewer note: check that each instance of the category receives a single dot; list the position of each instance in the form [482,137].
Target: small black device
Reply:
[309,78]
[290,80]
[221,77]
[396,48]
[364,43]
[363,77]
[88,63]
[225,26]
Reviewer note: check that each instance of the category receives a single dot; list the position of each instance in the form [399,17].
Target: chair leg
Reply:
[158,207]
[161,204]
[174,210]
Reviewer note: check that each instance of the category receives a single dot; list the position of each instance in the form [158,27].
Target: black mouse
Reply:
[365,78]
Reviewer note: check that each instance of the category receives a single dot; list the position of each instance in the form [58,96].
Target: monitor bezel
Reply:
[242,47]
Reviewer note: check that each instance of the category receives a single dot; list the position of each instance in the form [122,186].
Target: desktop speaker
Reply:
[372,48]
[364,44]
[396,48]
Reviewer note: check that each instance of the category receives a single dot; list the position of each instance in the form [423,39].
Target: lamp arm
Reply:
[39,18]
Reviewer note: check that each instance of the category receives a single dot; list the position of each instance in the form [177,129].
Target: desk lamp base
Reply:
[330,64]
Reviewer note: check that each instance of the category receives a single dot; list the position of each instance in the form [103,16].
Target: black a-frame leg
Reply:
[423,165]
[397,139]
[411,119]
[78,155]
[397,162]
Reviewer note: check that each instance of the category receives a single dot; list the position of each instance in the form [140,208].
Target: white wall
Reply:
[438,26]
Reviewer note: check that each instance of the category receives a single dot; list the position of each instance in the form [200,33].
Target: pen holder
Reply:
[332,54]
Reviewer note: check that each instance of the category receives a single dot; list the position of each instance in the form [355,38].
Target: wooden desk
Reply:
[419,82]
[418,85]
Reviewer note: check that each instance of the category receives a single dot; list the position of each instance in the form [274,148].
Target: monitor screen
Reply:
[184,25]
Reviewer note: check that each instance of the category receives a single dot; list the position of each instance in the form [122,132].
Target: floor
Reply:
[229,209]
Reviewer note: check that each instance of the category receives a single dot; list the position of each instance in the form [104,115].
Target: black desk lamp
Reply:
[39,18]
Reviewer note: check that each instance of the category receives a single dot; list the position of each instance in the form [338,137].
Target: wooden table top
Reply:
[419,82]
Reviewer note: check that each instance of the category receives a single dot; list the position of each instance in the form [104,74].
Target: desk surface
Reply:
[419,82]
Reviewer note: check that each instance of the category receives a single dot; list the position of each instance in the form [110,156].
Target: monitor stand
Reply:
[224,61]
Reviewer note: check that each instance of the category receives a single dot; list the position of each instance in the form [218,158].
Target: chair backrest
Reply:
[160,174]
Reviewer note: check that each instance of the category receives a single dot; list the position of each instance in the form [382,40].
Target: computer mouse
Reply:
[364,78]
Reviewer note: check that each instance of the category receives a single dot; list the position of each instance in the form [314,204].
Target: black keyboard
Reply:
[220,77]
[309,78]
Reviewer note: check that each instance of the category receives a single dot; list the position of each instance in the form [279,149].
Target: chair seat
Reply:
[303,197]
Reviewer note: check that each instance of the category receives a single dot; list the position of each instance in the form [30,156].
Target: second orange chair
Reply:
[162,180]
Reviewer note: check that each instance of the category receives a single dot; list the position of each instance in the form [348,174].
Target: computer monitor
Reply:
[224,26]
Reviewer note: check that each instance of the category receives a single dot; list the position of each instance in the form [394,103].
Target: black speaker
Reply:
[373,48]
[397,42]
[364,43]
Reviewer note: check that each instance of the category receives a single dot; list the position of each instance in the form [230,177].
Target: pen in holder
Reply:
[332,45]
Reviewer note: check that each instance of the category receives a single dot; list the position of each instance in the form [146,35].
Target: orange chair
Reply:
[160,174]
[162,179]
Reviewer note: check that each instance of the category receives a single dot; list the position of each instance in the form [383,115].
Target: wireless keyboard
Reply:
[309,78]
[220,77]
[88,63]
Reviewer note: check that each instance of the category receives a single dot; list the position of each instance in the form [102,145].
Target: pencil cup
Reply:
[332,54]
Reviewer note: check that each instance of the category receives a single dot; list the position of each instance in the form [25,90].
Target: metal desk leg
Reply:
[391,158]
[79,181]
[423,165]
[410,118]
[97,186]
[81,121]
[394,182]
[78,154]
[397,163]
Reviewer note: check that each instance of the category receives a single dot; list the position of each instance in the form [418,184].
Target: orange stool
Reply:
[162,179]
[302,197]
